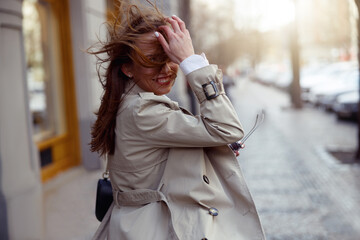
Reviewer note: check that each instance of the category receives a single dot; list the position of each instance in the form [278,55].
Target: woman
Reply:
[173,174]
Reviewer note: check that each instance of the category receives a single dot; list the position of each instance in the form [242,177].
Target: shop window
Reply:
[51,86]
[43,75]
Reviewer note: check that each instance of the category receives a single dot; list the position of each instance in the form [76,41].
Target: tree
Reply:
[220,39]
[185,14]
[357,2]
[295,92]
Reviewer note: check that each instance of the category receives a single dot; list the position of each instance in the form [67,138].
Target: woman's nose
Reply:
[166,68]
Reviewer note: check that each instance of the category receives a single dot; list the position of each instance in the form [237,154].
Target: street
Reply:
[301,191]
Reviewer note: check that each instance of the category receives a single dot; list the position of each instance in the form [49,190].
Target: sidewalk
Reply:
[69,202]
[301,192]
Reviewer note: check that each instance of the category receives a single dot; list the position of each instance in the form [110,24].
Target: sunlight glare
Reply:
[264,15]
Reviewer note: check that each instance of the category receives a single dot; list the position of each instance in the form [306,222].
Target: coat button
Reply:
[206,179]
[213,211]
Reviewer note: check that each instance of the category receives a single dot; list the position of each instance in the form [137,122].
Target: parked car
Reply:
[284,80]
[325,94]
[323,76]
[266,74]
[346,105]
[286,77]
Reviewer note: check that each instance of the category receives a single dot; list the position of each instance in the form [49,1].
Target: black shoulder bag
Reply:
[104,195]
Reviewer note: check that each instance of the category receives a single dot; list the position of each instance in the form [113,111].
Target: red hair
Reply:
[119,48]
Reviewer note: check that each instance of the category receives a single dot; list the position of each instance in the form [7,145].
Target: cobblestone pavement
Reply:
[301,192]
[69,205]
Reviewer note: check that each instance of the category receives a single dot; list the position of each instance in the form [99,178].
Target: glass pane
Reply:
[45,89]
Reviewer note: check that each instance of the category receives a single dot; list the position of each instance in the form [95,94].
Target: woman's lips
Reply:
[164,80]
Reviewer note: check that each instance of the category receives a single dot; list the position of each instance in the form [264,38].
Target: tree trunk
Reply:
[185,15]
[358,55]
[295,91]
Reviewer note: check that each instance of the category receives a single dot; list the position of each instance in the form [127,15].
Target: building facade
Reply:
[48,95]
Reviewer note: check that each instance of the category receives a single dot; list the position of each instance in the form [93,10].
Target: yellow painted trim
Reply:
[51,141]
[69,142]
[52,170]
[69,81]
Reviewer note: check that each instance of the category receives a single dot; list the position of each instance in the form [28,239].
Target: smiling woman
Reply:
[157,80]
[173,174]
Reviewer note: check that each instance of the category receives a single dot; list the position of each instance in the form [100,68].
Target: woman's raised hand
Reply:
[179,45]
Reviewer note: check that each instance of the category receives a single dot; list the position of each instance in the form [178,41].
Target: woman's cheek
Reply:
[150,72]
[174,67]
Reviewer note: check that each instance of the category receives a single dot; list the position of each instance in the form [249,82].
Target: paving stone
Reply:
[300,191]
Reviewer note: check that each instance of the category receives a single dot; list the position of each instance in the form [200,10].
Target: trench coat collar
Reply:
[132,88]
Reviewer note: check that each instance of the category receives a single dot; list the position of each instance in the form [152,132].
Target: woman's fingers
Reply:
[180,23]
[174,24]
[163,42]
[178,27]
[167,30]
[178,45]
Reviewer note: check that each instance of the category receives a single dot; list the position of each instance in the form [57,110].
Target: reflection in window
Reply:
[42,70]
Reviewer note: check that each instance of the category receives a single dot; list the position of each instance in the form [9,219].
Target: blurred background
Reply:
[296,60]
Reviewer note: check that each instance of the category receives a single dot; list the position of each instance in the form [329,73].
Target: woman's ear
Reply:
[126,69]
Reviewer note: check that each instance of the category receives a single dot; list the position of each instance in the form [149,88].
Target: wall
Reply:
[87,17]
[19,172]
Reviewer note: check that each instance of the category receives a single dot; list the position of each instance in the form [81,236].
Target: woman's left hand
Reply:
[179,45]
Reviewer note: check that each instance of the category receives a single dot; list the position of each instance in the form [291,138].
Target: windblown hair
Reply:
[132,21]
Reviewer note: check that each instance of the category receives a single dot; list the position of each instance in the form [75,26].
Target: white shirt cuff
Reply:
[194,62]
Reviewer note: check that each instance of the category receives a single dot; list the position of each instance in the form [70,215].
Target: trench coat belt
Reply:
[138,197]
[141,197]
[133,198]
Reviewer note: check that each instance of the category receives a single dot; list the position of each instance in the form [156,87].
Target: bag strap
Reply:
[106,172]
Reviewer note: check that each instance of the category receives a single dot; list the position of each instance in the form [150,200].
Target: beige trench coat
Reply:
[173,175]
